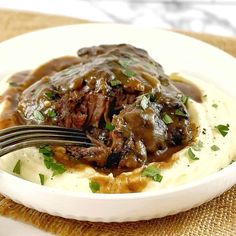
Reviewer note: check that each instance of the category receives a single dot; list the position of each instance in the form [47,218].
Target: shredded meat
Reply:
[96,155]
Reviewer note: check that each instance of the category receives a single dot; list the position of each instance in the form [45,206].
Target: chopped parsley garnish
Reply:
[50,95]
[94,186]
[191,155]
[198,146]
[184,99]
[115,82]
[42,179]
[158,178]
[180,113]
[47,161]
[38,115]
[50,163]
[223,129]
[125,62]
[215,148]
[57,168]
[214,105]
[205,95]
[17,168]
[109,126]
[13,84]
[149,96]
[46,151]
[153,173]
[144,102]
[128,73]
[167,119]
[51,113]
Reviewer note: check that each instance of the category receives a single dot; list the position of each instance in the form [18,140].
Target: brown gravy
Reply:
[21,81]
[187,88]
[10,98]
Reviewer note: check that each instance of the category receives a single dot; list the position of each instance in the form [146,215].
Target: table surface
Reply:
[212,16]
[9,227]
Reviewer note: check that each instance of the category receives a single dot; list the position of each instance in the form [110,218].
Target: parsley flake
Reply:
[42,179]
[38,115]
[191,155]
[13,84]
[125,62]
[167,119]
[17,168]
[153,173]
[180,113]
[46,151]
[198,146]
[215,105]
[109,126]
[158,178]
[223,129]
[115,82]
[94,186]
[47,161]
[215,148]
[128,73]
[51,113]
[57,168]
[50,95]
[50,163]
[184,99]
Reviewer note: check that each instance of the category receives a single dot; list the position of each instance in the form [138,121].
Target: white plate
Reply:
[176,53]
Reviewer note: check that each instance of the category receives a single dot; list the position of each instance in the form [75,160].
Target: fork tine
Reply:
[18,137]
[33,136]
[39,127]
[35,142]
[40,132]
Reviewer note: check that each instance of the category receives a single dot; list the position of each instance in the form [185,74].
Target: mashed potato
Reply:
[212,150]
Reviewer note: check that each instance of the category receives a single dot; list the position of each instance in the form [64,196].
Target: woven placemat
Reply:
[216,218]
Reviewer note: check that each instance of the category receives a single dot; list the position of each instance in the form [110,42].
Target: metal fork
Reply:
[19,137]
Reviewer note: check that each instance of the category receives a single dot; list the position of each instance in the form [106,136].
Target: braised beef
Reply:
[120,96]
